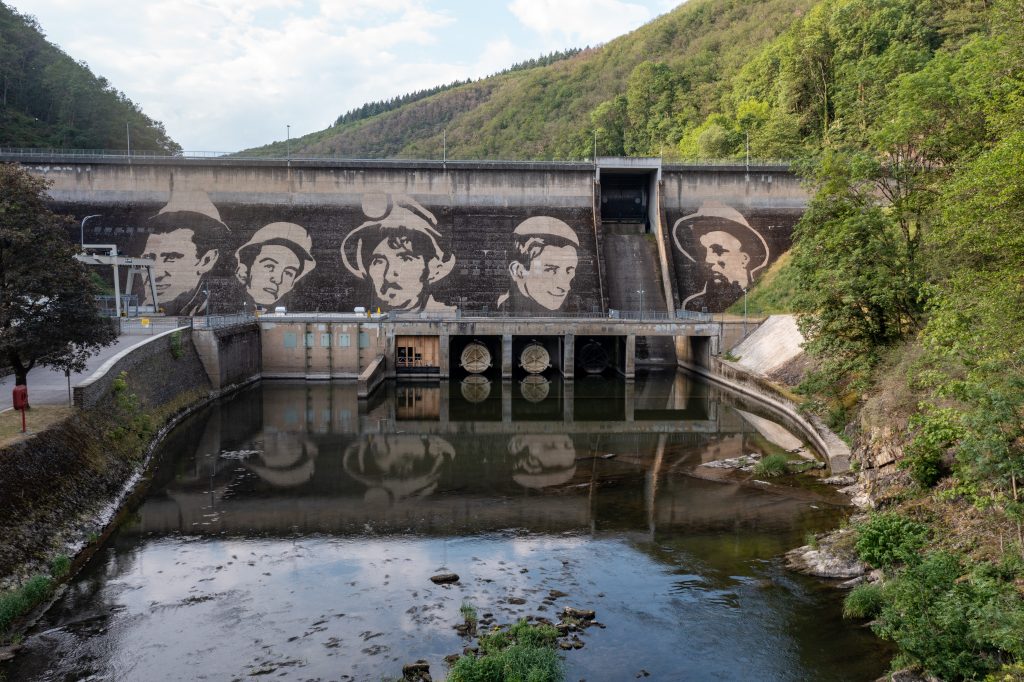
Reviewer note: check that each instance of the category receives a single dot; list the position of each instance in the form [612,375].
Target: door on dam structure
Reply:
[417,354]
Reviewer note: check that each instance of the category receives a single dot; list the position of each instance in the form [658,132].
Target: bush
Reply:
[16,603]
[864,601]
[935,431]
[954,626]
[523,653]
[887,539]
[771,466]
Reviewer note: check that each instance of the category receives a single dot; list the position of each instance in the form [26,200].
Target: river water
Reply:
[290,532]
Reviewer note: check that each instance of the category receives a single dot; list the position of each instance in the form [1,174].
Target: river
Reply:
[289,531]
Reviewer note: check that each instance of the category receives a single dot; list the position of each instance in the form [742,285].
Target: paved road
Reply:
[48,387]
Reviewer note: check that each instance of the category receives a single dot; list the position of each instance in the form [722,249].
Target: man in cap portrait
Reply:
[184,239]
[542,267]
[540,461]
[398,252]
[273,261]
[727,251]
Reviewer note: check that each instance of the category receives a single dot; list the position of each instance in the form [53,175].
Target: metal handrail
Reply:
[40,153]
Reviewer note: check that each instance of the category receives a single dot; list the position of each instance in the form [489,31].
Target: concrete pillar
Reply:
[506,356]
[630,365]
[568,401]
[205,341]
[506,402]
[629,399]
[445,416]
[444,360]
[569,357]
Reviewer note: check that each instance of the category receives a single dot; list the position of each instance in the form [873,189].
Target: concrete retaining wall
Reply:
[832,448]
[158,371]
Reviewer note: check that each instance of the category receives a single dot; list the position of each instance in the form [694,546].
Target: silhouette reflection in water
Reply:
[541,461]
[396,467]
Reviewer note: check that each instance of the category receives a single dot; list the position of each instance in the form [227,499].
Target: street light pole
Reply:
[96,215]
[744,312]
[641,292]
[288,142]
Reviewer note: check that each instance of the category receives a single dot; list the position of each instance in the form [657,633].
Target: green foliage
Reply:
[955,626]
[48,314]
[773,293]
[864,601]
[468,612]
[523,653]
[60,566]
[174,340]
[935,431]
[771,466]
[16,603]
[888,538]
[47,99]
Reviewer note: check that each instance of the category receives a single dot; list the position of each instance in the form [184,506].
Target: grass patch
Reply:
[16,603]
[863,601]
[37,419]
[523,653]
[771,466]
[773,293]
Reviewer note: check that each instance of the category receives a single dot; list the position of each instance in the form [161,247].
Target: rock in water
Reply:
[581,614]
[444,578]
[416,672]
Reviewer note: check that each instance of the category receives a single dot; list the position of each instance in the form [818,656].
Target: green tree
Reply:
[48,314]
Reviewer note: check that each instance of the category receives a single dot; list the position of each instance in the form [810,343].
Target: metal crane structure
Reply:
[106,254]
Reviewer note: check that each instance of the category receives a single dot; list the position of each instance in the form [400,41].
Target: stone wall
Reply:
[159,371]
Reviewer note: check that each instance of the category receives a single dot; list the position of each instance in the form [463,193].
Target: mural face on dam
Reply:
[728,254]
[182,238]
[544,262]
[378,250]
[398,252]
[273,261]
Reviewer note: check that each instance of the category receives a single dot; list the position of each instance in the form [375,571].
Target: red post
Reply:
[20,399]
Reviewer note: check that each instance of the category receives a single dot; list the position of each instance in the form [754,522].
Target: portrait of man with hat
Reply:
[542,267]
[273,261]
[727,252]
[184,239]
[398,252]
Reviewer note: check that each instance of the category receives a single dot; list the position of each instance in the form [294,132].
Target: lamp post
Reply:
[95,215]
[641,292]
[288,142]
[744,312]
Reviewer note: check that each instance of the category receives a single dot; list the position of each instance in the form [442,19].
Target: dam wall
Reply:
[517,238]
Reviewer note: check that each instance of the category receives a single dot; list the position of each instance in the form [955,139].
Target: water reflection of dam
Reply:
[423,458]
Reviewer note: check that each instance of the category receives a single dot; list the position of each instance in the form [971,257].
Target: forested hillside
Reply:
[47,99]
[642,93]
[908,269]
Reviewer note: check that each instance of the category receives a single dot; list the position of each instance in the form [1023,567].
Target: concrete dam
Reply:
[530,251]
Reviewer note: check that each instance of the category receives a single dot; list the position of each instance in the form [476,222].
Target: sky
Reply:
[224,75]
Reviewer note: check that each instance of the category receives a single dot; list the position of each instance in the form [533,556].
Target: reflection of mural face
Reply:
[542,460]
[400,465]
[179,265]
[398,252]
[288,460]
[544,265]
[721,242]
[273,261]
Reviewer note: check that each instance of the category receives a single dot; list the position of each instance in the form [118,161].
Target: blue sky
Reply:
[223,75]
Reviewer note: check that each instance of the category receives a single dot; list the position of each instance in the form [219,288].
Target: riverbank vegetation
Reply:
[907,272]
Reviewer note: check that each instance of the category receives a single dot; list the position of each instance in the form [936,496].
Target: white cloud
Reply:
[572,22]
[228,74]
